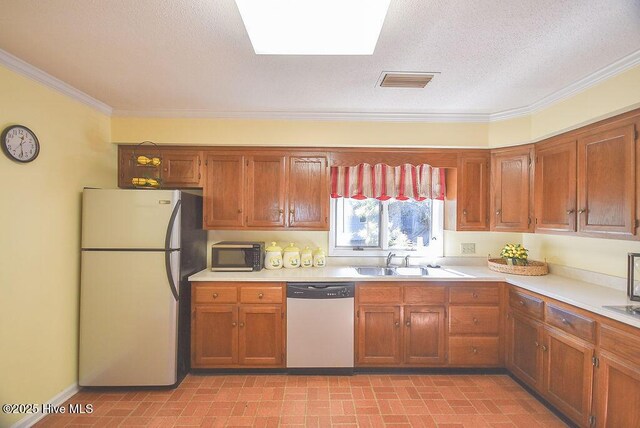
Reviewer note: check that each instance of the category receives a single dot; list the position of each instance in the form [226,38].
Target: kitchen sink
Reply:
[415,271]
[376,271]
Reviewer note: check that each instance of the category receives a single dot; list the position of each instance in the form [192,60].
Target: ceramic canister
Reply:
[319,258]
[291,256]
[273,257]
[306,258]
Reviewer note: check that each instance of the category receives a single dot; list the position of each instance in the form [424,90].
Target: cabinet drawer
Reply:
[526,304]
[380,294]
[474,351]
[261,294]
[214,294]
[620,343]
[474,320]
[424,294]
[474,295]
[570,322]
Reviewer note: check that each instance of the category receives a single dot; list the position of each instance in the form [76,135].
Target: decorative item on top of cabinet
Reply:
[512,189]
[555,186]
[472,212]
[179,168]
[147,161]
[606,182]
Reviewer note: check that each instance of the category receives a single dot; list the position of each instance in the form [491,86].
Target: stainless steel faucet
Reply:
[389,257]
[406,261]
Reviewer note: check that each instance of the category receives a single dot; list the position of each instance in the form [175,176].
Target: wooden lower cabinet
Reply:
[379,335]
[230,328]
[260,337]
[524,360]
[568,374]
[214,335]
[424,335]
[617,392]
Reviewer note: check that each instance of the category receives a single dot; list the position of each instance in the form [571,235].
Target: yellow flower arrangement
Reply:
[516,253]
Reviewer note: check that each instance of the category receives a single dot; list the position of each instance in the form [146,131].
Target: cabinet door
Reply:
[224,192]
[617,393]
[424,335]
[606,183]
[568,374]
[524,357]
[555,188]
[260,336]
[214,336]
[511,190]
[473,193]
[126,167]
[266,190]
[308,193]
[181,168]
[379,335]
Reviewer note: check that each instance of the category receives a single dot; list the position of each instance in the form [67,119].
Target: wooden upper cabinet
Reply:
[511,185]
[224,191]
[181,168]
[606,183]
[308,192]
[555,187]
[266,191]
[473,192]
[126,167]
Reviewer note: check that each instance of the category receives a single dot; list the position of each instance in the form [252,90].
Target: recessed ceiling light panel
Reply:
[313,27]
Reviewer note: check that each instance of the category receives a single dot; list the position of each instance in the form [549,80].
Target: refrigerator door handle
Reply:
[168,251]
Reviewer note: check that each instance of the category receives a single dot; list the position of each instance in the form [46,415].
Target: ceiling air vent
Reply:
[405,80]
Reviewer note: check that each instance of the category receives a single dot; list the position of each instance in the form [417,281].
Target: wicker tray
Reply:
[533,268]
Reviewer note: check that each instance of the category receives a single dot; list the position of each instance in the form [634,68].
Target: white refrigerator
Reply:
[138,249]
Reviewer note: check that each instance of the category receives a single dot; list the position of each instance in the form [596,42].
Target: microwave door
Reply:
[231,258]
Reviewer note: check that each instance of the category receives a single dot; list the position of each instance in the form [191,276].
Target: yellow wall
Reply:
[40,239]
[242,132]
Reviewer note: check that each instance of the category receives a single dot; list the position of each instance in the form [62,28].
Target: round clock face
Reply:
[20,143]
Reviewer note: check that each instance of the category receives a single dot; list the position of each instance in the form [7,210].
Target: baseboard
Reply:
[57,400]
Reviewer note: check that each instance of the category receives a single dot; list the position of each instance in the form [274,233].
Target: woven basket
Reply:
[533,268]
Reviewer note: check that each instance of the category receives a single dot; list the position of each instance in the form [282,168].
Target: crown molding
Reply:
[617,67]
[24,68]
[310,116]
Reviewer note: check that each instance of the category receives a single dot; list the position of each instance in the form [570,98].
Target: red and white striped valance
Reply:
[384,182]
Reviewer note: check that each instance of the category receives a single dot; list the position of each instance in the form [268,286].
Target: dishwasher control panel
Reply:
[320,290]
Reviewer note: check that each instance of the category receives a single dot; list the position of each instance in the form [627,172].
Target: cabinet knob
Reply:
[537,344]
[397,323]
[569,211]
[544,348]
[521,303]
[582,211]
[498,212]
[475,320]
[260,295]
[564,321]
[475,350]
[464,212]
[281,211]
[215,295]
[241,324]
[475,295]
[239,211]
[408,324]
[233,324]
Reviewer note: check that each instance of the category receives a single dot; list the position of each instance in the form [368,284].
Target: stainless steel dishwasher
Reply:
[320,323]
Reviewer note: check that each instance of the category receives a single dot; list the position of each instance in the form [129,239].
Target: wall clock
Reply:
[19,143]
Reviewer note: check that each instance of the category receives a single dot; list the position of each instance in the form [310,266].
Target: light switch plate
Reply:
[468,248]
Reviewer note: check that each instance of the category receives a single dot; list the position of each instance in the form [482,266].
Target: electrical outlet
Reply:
[468,248]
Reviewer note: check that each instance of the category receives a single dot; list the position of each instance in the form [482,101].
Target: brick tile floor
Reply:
[443,401]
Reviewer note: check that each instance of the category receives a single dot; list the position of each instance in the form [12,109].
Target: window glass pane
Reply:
[409,224]
[357,223]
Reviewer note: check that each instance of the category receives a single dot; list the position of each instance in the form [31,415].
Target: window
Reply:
[370,227]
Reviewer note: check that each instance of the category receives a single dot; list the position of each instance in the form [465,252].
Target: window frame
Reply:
[435,248]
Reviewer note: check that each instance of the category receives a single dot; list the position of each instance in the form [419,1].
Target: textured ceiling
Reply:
[195,55]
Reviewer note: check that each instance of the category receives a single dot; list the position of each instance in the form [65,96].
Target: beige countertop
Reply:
[585,295]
